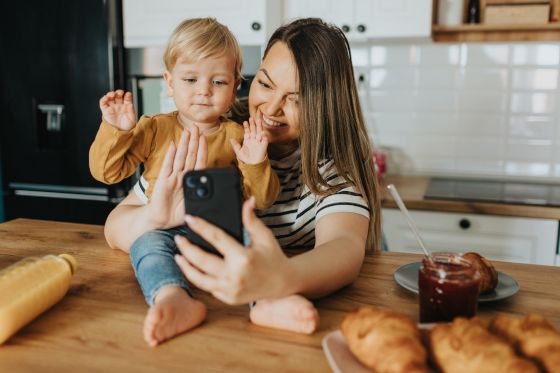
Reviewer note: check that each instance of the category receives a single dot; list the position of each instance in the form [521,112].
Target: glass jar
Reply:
[448,287]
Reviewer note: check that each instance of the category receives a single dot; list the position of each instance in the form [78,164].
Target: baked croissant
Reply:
[467,346]
[488,274]
[385,341]
[533,336]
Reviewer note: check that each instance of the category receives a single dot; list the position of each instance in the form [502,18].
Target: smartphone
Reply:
[214,194]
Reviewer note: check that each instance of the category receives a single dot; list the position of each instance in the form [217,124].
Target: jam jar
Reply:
[448,287]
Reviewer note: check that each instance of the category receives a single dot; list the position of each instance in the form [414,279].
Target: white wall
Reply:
[490,110]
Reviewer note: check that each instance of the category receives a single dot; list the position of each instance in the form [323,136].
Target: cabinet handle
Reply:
[361,28]
[345,28]
[465,224]
[256,26]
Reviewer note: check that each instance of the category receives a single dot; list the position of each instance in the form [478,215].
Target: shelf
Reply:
[485,33]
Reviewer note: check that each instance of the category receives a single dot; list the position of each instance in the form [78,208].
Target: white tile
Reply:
[536,54]
[394,77]
[535,169]
[482,101]
[437,123]
[436,101]
[480,148]
[529,150]
[433,146]
[487,124]
[437,77]
[399,122]
[479,166]
[532,127]
[533,103]
[483,78]
[440,55]
[393,55]
[535,79]
[489,55]
[360,56]
[432,166]
[392,101]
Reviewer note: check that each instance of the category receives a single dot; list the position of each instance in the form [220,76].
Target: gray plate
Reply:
[407,277]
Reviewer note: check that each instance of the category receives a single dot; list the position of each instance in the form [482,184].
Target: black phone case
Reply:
[222,205]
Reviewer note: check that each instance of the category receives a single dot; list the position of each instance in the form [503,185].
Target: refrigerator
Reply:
[58,58]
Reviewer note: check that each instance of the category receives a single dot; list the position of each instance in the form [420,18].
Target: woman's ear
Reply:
[168,82]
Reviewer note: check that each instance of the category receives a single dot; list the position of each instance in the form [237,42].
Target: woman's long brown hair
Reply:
[332,125]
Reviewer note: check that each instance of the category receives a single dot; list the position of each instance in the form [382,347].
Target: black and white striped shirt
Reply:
[296,211]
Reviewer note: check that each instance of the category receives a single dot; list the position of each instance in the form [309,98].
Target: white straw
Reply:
[402,207]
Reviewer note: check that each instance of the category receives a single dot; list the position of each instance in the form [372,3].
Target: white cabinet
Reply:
[368,19]
[511,239]
[150,23]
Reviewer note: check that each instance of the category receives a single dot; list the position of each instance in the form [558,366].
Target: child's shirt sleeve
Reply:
[114,154]
[261,181]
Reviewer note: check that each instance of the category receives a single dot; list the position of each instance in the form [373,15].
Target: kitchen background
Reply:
[442,98]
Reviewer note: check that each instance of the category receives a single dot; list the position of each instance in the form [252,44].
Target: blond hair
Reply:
[199,38]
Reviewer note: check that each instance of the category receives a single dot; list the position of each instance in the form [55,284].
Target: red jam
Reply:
[448,287]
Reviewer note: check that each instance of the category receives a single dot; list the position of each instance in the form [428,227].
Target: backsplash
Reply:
[472,110]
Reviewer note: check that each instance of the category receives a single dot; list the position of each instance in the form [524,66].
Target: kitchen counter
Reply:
[412,189]
[98,325]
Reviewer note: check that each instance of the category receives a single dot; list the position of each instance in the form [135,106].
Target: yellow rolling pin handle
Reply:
[30,287]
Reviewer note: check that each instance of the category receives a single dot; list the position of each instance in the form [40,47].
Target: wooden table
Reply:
[97,327]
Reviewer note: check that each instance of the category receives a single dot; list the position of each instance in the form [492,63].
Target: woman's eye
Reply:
[293,99]
[265,85]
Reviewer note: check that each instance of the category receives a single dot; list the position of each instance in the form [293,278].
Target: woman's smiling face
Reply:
[274,95]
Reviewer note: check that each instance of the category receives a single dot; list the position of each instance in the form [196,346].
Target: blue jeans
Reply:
[153,259]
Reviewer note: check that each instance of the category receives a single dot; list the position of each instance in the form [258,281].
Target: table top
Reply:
[97,326]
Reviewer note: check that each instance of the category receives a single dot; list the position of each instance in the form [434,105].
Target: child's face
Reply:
[202,90]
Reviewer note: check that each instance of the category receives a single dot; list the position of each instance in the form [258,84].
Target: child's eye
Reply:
[219,82]
[264,85]
[189,80]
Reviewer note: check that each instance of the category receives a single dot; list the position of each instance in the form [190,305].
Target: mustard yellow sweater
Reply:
[115,154]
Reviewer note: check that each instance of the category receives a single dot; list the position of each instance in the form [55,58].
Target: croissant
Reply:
[533,336]
[488,274]
[467,346]
[385,341]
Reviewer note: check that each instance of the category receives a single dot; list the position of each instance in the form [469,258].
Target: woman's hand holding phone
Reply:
[244,274]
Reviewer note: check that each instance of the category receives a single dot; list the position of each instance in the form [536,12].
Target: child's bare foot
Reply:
[173,313]
[294,313]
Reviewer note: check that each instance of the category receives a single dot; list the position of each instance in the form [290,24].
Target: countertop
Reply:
[412,189]
[97,327]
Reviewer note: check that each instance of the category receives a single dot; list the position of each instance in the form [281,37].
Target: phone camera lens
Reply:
[191,181]
[202,192]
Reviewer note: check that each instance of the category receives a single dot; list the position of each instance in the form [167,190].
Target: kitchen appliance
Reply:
[494,191]
[58,59]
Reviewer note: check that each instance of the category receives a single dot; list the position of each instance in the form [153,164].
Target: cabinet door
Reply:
[150,23]
[338,12]
[397,18]
[523,240]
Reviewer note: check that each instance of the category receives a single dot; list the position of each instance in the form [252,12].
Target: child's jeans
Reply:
[153,259]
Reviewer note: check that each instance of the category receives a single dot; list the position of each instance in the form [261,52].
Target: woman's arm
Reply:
[263,271]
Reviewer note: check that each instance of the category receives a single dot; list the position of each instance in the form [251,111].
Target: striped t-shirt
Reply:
[292,218]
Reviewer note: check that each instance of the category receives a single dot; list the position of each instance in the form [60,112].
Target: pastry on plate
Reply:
[385,341]
[533,336]
[488,274]
[466,345]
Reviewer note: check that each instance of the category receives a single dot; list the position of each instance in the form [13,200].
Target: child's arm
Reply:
[111,157]
[259,180]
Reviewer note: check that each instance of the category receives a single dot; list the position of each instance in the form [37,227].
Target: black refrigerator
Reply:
[58,58]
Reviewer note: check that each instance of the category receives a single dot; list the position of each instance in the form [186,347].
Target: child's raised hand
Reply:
[255,143]
[118,110]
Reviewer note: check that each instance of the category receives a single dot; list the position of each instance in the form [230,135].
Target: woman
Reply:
[305,95]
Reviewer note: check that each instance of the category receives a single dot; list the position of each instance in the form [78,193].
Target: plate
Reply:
[339,356]
[407,277]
